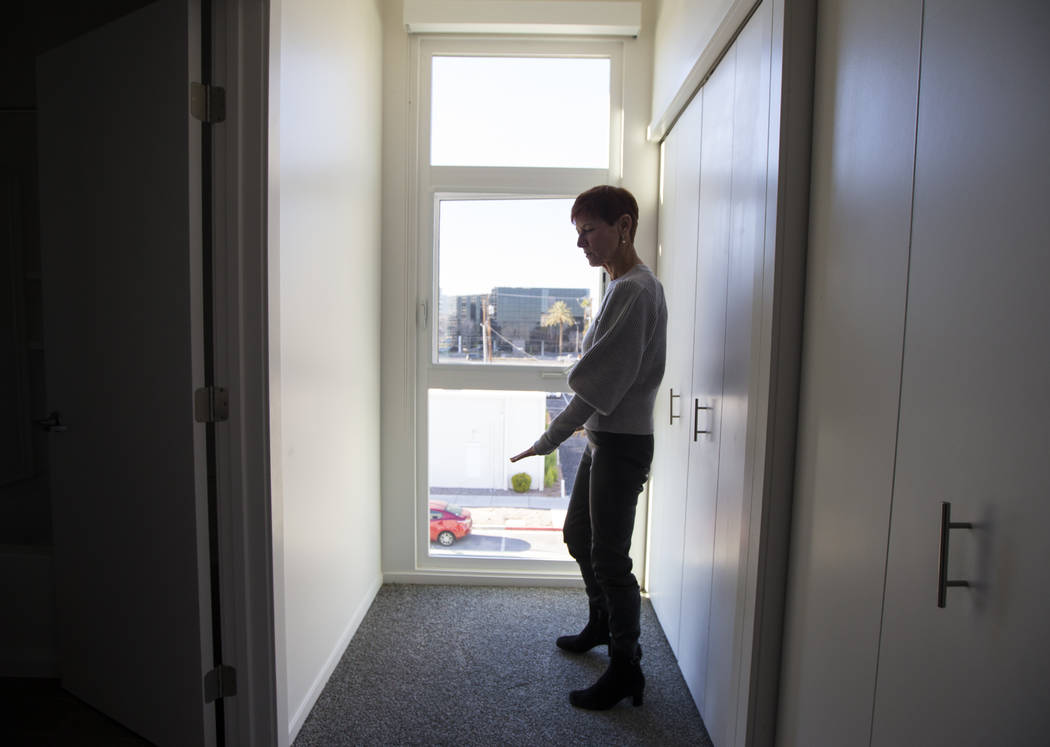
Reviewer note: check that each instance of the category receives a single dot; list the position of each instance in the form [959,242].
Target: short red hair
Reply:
[608,203]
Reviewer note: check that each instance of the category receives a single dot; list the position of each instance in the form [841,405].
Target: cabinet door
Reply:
[746,175]
[703,409]
[975,402]
[676,268]
[857,276]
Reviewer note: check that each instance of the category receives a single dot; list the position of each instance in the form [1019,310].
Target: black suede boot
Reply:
[623,677]
[595,633]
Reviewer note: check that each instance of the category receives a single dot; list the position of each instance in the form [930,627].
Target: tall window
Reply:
[510,133]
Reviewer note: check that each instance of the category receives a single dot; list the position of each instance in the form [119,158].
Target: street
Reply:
[531,543]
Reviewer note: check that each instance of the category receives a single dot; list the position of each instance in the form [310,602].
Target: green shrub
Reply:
[550,469]
[521,482]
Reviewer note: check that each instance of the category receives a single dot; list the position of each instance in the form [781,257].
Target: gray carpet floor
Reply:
[470,665]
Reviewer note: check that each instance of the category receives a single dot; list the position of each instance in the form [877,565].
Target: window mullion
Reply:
[511,181]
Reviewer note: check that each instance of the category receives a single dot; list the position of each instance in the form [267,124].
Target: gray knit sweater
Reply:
[617,377]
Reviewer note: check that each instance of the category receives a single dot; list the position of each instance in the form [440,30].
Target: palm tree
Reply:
[558,314]
[585,304]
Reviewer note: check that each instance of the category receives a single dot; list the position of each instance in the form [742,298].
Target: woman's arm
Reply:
[569,420]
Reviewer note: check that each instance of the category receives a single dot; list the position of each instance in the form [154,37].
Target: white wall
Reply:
[683,31]
[640,174]
[478,431]
[326,131]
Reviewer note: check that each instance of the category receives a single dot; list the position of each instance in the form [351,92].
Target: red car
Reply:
[448,522]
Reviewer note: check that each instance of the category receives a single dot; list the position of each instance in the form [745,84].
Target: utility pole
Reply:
[486,331]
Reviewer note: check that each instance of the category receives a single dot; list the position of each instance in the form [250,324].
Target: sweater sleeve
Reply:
[568,422]
[609,368]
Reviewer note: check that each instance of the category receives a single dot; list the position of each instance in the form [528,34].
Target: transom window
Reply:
[548,112]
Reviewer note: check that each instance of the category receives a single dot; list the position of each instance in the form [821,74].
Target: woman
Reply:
[614,385]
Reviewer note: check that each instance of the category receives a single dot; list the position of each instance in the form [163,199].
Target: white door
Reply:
[677,271]
[728,668]
[120,231]
[975,405]
[703,408]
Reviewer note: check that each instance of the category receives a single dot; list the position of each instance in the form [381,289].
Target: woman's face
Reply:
[599,240]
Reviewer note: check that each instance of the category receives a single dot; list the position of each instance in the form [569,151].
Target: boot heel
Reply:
[621,680]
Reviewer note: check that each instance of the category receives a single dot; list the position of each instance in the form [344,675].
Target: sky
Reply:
[519,112]
[519,243]
[507,111]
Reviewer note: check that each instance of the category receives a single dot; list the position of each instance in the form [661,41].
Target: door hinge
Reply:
[211,404]
[208,103]
[220,682]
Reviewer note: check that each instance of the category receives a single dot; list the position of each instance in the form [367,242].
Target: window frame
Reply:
[437,183]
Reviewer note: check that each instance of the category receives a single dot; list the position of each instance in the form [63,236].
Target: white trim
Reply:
[492,182]
[524,378]
[272,316]
[241,37]
[484,579]
[523,17]
[734,20]
[432,183]
[317,686]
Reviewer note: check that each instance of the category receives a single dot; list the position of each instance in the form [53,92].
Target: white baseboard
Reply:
[481,579]
[295,723]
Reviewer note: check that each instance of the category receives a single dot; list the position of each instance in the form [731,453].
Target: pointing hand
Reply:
[527,453]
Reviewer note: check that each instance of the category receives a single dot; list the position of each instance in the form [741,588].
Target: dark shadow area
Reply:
[40,712]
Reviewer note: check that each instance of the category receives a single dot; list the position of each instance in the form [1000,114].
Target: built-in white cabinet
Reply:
[676,268]
[714,225]
[733,206]
[700,428]
[929,246]
[975,404]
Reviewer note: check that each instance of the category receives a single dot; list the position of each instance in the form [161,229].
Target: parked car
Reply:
[448,522]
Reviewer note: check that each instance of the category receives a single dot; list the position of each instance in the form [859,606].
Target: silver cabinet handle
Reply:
[942,567]
[671,408]
[697,407]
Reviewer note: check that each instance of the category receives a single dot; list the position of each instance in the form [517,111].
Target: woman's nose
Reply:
[580,242]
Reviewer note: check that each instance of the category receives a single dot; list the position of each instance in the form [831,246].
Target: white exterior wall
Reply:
[326,134]
[473,434]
